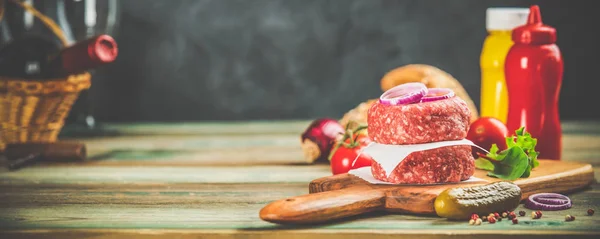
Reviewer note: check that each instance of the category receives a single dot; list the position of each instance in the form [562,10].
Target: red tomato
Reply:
[362,161]
[341,161]
[486,131]
[343,157]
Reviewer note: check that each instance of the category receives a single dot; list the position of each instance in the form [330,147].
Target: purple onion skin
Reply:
[323,132]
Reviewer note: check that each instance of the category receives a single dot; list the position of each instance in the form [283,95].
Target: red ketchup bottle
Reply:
[534,70]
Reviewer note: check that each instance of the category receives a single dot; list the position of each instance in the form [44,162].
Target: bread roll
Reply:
[357,115]
[431,76]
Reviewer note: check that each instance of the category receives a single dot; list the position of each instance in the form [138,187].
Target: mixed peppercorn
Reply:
[536,215]
[511,215]
[569,218]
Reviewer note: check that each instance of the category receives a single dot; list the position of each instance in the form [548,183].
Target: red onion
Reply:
[406,93]
[548,201]
[434,94]
[319,137]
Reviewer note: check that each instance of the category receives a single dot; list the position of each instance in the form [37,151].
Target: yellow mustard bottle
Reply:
[500,22]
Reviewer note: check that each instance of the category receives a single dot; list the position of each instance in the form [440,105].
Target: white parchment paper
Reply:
[389,156]
[365,174]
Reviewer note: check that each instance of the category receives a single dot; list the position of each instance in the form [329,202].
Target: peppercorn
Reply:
[484,218]
[590,212]
[478,221]
[536,215]
[515,221]
[522,213]
[474,216]
[471,222]
[512,215]
[491,219]
[569,218]
[499,219]
[491,215]
[504,214]
[496,215]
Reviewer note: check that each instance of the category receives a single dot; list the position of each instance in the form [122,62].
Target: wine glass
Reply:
[79,20]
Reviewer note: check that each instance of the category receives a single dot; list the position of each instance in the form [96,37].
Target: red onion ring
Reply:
[548,201]
[434,94]
[406,93]
[552,200]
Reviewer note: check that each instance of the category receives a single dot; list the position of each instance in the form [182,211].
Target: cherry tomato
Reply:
[343,157]
[362,161]
[486,131]
[341,162]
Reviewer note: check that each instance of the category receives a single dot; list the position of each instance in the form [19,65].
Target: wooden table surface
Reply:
[209,180]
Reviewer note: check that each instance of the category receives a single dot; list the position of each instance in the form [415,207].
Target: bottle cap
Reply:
[534,32]
[505,18]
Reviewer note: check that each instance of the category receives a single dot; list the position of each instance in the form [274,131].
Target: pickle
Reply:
[461,202]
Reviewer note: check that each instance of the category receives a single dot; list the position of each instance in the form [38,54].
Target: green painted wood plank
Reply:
[247,150]
[163,175]
[203,128]
[216,176]
[200,208]
[291,233]
[198,150]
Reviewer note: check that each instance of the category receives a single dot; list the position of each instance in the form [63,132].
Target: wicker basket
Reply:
[34,111]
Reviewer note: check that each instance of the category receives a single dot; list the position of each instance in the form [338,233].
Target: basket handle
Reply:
[45,19]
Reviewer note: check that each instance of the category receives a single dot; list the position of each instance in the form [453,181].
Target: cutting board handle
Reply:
[324,206]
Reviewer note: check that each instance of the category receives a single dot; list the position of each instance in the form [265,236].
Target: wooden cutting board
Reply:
[345,195]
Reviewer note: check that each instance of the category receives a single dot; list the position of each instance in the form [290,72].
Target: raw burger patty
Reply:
[418,123]
[440,165]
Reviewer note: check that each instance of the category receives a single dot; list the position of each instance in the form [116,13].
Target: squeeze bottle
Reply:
[499,24]
[534,71]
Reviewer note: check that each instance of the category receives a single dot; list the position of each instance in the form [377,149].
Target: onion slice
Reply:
[406,93]
[548,201]
[434,94]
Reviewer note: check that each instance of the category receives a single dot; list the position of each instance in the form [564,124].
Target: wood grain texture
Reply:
[325,206]
[197,180]
[293,234]
[249,143]
[73,174]
[347,196]
[230,207]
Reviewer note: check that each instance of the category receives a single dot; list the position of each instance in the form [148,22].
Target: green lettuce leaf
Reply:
[527,172]
[514,162]
[511,164]
[484,164]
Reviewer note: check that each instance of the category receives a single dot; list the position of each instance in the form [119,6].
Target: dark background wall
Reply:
[190,60]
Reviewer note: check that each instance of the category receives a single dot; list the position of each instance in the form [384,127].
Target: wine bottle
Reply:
[83,56]
[27,57]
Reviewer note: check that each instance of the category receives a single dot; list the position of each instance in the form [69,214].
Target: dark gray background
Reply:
[301,59]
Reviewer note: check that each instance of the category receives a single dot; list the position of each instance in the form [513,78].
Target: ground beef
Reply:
[468,167]
[439,165]
[418,123]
